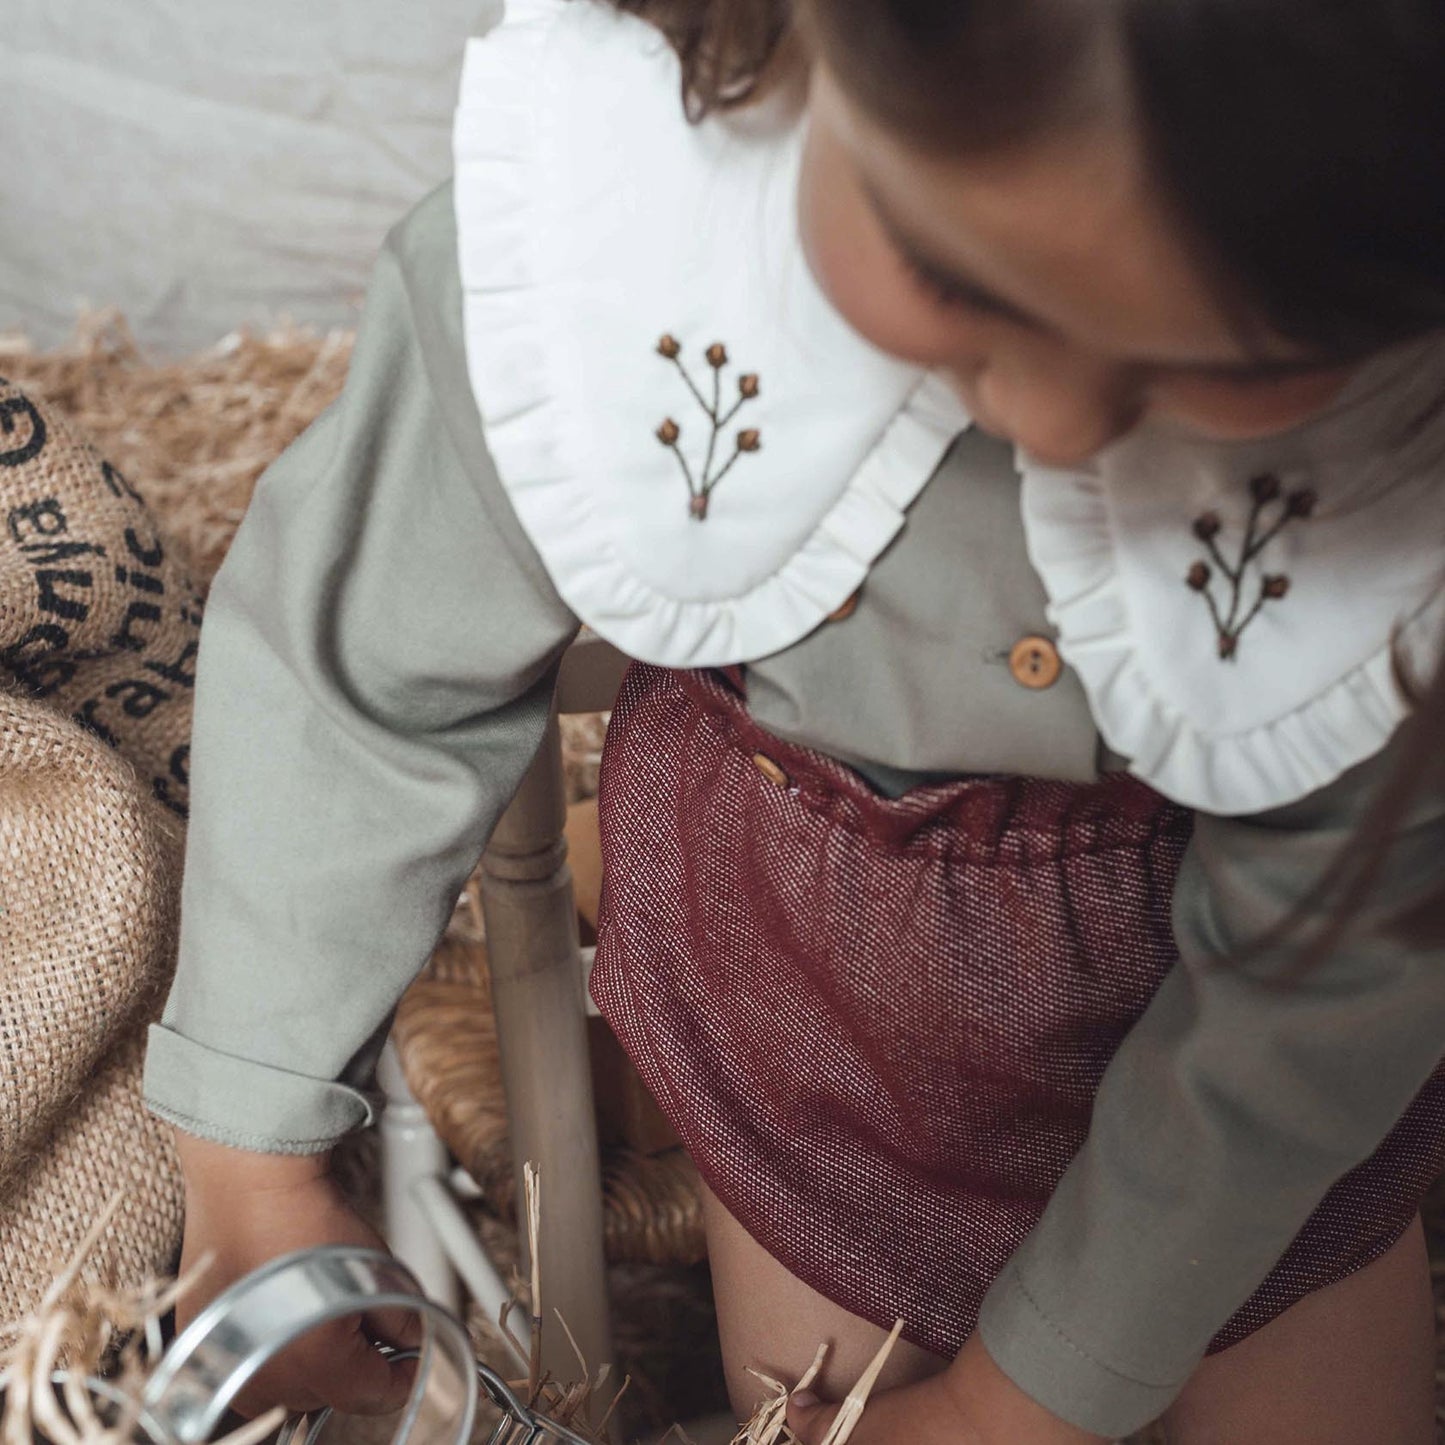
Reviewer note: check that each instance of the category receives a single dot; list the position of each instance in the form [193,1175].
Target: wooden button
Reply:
[770,770]
[847,609]
[1035,663]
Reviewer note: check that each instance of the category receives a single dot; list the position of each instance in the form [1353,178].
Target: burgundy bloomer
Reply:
[879,1025]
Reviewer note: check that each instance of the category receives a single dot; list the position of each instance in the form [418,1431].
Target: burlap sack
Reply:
[108,1143]
[98,635]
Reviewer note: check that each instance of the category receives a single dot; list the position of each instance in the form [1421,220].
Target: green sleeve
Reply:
[374,678]
[1244,1092]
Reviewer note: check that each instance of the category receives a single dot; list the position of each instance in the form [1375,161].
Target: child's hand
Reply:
[972,1402]
[243,1209]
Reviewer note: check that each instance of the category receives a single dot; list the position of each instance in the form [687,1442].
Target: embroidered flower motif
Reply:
[701,487]
[1232,618]
[1264,489]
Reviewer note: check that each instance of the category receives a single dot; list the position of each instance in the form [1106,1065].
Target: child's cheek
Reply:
[1239,411]
[858,270]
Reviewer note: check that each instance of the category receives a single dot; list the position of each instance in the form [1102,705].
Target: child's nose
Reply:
[1060,409]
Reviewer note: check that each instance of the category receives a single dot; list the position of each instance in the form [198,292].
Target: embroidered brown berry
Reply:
[1233,617]
[701,486]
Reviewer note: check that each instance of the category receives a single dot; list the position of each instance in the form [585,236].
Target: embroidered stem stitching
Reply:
[1234,617]
[701,487]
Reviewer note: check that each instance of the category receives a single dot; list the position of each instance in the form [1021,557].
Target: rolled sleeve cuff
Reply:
[1044,1359]
[245,1104]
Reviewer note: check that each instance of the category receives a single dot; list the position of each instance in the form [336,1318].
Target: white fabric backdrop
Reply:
[208,163]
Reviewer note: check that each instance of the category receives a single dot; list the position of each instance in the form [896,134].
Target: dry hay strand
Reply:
[664,1334]
[84,1331]
[568,1405]
[191,435]
[769,1424]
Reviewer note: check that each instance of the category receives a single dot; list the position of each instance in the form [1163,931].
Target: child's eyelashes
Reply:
[955,294]
[948,291]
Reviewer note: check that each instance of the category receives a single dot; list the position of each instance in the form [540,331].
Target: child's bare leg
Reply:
[769,1319]
[1349,1363]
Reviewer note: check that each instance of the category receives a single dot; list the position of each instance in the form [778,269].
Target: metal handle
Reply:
[244,1328]
[516,1424]
[249,1324]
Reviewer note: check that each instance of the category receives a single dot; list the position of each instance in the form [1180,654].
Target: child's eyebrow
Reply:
[947,277]
[943,273]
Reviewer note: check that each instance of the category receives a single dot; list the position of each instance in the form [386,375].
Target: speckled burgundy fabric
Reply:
[878,1025]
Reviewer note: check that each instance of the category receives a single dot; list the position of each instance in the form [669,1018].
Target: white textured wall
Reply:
[206,163]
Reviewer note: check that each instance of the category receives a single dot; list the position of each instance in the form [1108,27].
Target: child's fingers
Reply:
[808,1417]
[402,1329]
[336,1365]
[365,1382]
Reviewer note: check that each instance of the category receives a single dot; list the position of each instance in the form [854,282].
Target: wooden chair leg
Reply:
[537,995]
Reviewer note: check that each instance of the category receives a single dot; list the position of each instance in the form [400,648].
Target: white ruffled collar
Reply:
[1239,614]
[707,459]
[606,246]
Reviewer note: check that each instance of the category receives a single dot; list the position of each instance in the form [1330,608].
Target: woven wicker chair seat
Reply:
[446,1037]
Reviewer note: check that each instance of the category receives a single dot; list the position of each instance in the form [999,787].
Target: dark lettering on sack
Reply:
[49,580]
[151,556]
[47,554]
[45,519]
[117,483]
[30,448]
[87,719]
[138,698]
[124,640]
[177,797]
[182,671]
[141,581]
[36,662]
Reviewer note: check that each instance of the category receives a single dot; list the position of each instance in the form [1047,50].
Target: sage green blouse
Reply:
[375,675]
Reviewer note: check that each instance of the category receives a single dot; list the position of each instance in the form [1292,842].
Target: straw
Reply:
[81,1331]
[533,1189]
[769,1424]
[851,1411]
